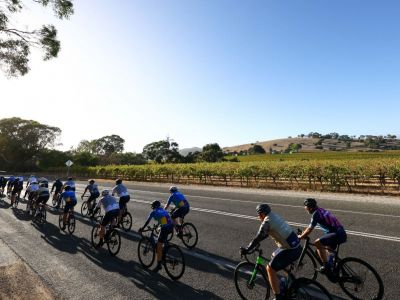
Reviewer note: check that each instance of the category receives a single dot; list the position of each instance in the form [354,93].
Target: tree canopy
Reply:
[16,43]
[212,153]
[162,151]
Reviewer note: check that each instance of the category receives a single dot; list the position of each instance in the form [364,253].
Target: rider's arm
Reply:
[84,192]
[306,232]
[148,220]
[262,234]
[169,202]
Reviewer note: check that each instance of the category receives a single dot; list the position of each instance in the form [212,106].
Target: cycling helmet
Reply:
[68,188]
[58,179]
[173,189]
[155,204]
[43,184]
[310,202]
[70,178]
[105,193]
[263,208]
[118,181]
[91,181]
[35,182]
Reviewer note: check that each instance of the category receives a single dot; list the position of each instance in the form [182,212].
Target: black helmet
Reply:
[91,181]
[310,202]
[155,204]
[58,179]
[43,184]
[173,189]
[263,208]
[70,178]
[118,181]
[67,188]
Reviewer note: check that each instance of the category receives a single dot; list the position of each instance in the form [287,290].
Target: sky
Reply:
[213,71]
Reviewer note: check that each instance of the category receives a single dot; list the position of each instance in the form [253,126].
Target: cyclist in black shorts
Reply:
[42,195]
[3,183]
[94,194]
[123,195]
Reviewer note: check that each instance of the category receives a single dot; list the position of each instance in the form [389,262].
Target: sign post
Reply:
[68,163]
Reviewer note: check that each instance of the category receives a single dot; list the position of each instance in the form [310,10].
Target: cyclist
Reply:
[111,208]
[31,179]
[3,183]
[70,201]
[94,194]
[181,204]
[163,219]
[31,189]
[71,183]
[43,180]
[289,248]
[334,231]
[10,181]
[17,187]
[123,195]
[57,186]
[41,195]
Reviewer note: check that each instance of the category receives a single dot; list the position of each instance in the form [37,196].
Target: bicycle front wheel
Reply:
[189,235]
[84,209]
[307,289]
[251,282]
[95,237]
[71,224]
[174,262]
[113,242]
[307,267]
[126,221]
[54,201]
[60,220]
[146,252]
[359,280]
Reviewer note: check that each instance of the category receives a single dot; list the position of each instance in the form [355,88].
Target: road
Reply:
[225,219]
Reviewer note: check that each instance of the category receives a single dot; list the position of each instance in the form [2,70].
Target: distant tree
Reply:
[162,151]
[256,149]
[16,43]
[85,159]
[110,144]
[212,153]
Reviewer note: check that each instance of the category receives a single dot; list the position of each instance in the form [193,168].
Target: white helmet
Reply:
[105,192]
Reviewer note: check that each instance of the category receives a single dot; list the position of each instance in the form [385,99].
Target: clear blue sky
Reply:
[205,71]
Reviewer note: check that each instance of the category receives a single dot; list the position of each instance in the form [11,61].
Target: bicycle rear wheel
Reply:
[95,237]
[113,240]
[249,287]
[84,209]
[126,221]
[189,235]
[71,223]
[146,252]
[359,280]
[60,220]
[174,261]
[54,200]
[307,289]
[307,267]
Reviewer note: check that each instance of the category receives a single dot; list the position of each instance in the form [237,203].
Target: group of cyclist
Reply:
[288,242]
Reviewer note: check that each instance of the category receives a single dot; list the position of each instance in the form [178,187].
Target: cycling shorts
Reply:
[123,200]
[42,199]
[109,216]
[69,205]
[281,258]
[93,197]
[180,212]
[164,232]
[333,239]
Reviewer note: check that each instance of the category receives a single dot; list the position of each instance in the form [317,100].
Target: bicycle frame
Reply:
[308,248]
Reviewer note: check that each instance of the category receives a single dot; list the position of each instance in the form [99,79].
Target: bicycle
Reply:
[172,256]
[85,211]
[14,203]
[350,273]
[55,198]
[39,214]
[111,237]
[70,224]
[186,232]
[251,281]
[126,220]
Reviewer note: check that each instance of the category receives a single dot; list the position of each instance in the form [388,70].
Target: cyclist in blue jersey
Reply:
[111,208]
[70,182]
[70,201]
[182,205]
[334,230]
[94,194]
[10,182]
[163,219]
[123,195]
[289,247]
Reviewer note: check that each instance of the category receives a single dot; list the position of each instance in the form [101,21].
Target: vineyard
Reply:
[356,175]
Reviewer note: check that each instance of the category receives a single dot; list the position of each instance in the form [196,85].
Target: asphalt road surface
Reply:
[225,219]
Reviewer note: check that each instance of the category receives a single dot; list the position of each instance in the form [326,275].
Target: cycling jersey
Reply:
[69,196]
[327,221]
[161,216]
[71,183]
[32,188]
[280,231]
[109,203]
[31,179]
[93,189]
[10,180]
[121,190]
[57,185]
[42,191]
[178,199]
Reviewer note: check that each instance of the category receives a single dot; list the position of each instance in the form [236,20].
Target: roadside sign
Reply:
[69,163]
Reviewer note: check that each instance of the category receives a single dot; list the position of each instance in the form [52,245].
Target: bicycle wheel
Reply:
[359,280]
[54,201]
[44,215]
[189,235]
[174,261]
[248,287]
[307,289]
[95,237]
[71,223]
[113,240]
[307,268]
[15,204]
[146,252]
[84,209]
[126,221]
[60,221]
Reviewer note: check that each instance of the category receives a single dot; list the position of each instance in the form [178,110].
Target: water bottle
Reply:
[282,284]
